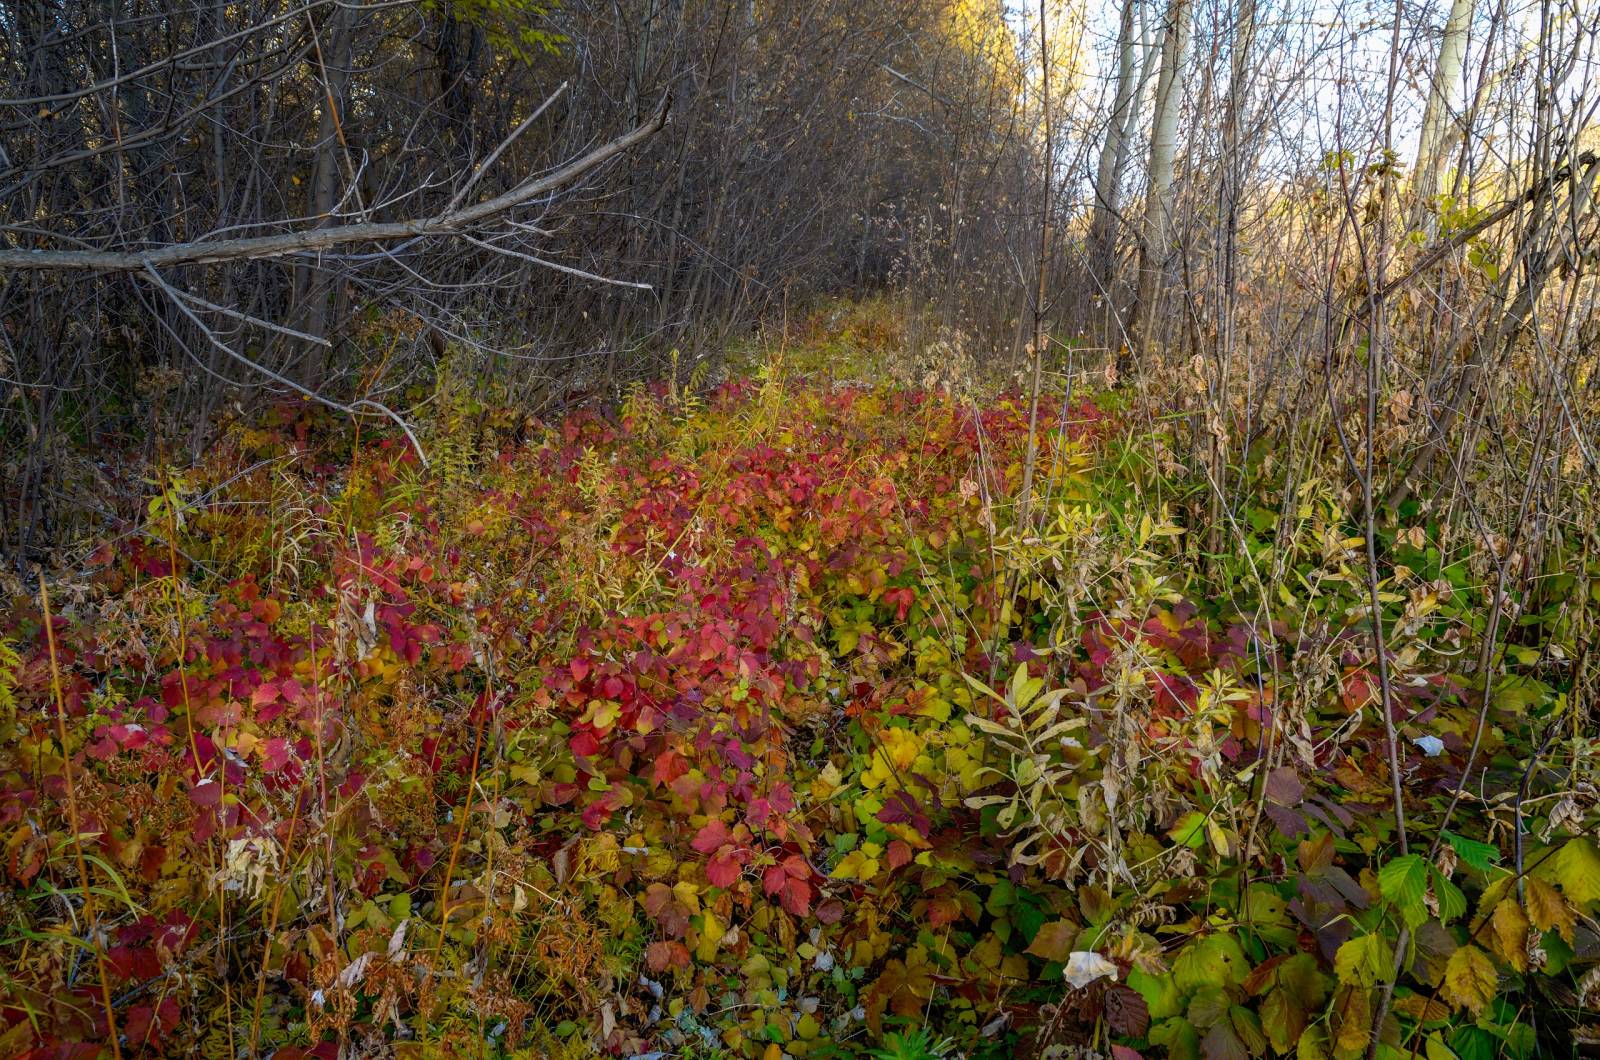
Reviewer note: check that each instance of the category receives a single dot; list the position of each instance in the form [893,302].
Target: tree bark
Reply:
[1114,153]
[1158,196]
[1433,146]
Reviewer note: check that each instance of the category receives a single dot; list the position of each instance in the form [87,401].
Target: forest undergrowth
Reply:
[795,717]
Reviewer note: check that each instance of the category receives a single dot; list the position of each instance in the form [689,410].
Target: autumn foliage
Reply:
[747,721]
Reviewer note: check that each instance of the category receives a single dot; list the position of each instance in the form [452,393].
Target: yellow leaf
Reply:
[710,938]
[688,894]
[1469,978]
[1576,867]
[1435,1048]
[1352,1010]
[1510,939]
[1547,909]
[1421,1008]
[1218,837]
[1054,941]
[856,865]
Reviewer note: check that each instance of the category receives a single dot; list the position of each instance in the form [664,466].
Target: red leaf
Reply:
[666,954]
[713,836]
[899,853]
[796,896]
[206,794]
[724,869]
[274,754]
[1126,1011]
[942,911]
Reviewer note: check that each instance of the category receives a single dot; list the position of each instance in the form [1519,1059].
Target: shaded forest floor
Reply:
[746,721]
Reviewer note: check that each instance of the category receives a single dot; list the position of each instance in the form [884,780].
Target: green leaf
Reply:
[1178,1036]
[1215,960]
[1452,903]
[1304,980]
[1473,1043]
[1433,1048]
[1190,831]
[1160,993]
[1364,960]
[1481,856]
[1403,882]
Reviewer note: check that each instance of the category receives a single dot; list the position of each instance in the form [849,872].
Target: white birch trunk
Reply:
[1433,146]
[1158,197]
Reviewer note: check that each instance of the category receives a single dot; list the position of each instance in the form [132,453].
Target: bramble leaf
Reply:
[1478,855]
[1469,979]
[1364,960]
[1547,909]
[1403,882]
[1576,868]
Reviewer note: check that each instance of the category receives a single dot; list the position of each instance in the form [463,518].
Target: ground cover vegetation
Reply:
[795,716]
[799,528]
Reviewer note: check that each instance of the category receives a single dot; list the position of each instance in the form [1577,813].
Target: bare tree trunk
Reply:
[1433,146]
[1158,196]
[1231,171]
[1114,153]
[319,287]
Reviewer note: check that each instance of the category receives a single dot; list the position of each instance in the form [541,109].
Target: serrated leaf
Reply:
[1352,1015]
[1215,960]
[1208,1007]
[1403,882]
[1576,868]
[1160,993]
[1510,933]
[1364,960]
[1452,902]
[1247,1026]
[1481,856]
[1305,981]
[1222,1042]
[1283,1019]
[1469,979]
[1547,909]
[1054,941]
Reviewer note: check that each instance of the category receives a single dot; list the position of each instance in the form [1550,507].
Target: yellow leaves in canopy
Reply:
[981,29]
